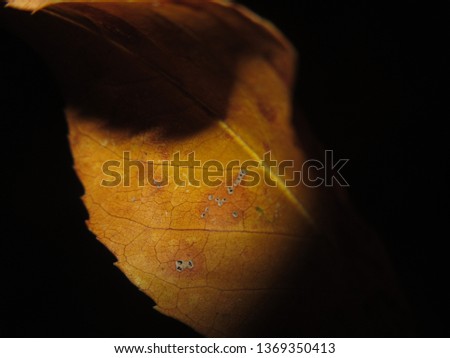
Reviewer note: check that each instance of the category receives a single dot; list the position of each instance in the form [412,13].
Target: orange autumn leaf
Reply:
[146,80]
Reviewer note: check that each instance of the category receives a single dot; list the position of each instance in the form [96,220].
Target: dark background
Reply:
[368,83]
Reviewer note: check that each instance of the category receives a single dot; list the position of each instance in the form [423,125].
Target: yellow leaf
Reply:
[146,80]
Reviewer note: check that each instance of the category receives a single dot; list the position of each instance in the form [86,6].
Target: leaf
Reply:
[153,79]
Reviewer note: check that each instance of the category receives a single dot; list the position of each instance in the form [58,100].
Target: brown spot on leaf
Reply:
[268,112]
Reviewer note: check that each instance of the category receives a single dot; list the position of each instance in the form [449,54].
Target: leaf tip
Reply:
[27,5]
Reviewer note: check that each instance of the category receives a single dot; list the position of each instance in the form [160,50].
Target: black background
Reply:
[368,83]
